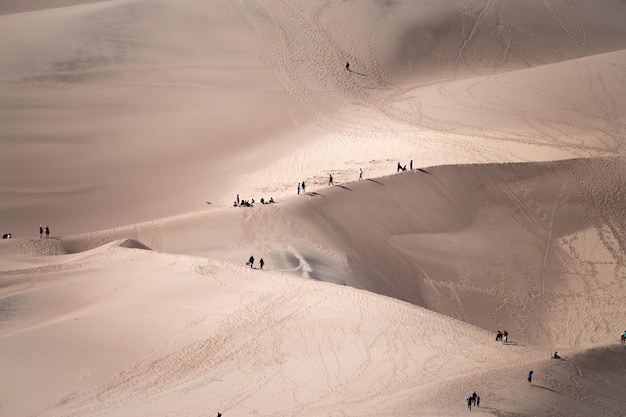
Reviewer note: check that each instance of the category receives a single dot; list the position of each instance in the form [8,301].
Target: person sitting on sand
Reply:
[271,200]
[556,356]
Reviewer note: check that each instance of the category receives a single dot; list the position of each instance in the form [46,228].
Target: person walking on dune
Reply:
[303,189]
[360,174]
[530,377]
[40,230]
[47,231]
[330,179]
[261,262]
[251,262]
[469,403]
[298,188]
[347,66]
[505,337]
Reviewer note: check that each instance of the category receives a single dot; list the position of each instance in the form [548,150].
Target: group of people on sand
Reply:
[250,203]
[251,262]
[401,167]
[473,400]
[42,231]
[502,336]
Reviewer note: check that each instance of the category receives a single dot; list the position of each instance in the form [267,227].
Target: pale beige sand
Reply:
[129,126]
[21,6]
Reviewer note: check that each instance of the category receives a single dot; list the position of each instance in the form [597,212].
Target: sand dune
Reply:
[129,122]
[130,126]
[533,248]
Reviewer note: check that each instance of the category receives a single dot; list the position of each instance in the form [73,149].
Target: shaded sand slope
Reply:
[534,248]
[443,39]
[130,111]
[21,6]
[587,384]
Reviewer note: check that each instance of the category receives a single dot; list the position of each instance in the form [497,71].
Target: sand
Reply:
[130,127]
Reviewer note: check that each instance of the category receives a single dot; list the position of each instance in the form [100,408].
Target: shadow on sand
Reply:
[546,388]
[514,344]
[377,182]
[357,73]
[344,187]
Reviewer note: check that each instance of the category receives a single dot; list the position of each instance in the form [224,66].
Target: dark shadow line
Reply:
[344,187]
[424,171]
[546,388]
[514,344]
[315,194]
[355,72]
[377,182]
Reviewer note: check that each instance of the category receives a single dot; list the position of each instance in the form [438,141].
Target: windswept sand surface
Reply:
[130,126]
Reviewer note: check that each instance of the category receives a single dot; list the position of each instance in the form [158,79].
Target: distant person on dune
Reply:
[40,230]
[556,356]
[530,377]
[47,231]
[623,337]
[360,174]
[298,188]
[251,262]
[303,189]
[348,66]
[330,179]
[411,164]
[469,403]
[261,262]
[505,337]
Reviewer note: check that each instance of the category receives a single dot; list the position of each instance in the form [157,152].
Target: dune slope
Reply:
[534,248]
